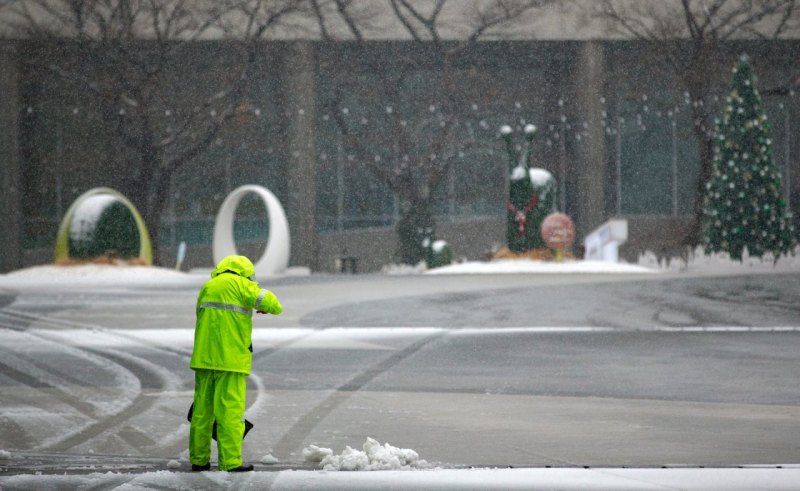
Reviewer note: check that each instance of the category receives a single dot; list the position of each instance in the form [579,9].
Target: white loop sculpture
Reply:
[276,256]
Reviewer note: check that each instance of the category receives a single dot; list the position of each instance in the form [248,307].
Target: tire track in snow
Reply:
[14,432]
[10,320]
[28,380]
[36,378]
[141,403]
[31,372]
[147,374]
[42,378]
[294,437]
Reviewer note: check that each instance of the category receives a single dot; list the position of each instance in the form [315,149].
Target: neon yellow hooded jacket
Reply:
[224,327]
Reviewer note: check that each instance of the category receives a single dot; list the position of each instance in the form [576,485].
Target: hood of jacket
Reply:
[237,264]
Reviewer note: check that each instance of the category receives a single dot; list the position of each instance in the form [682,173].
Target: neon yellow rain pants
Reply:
[218,395]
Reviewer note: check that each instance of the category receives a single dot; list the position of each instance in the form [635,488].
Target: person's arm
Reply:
[265,301]
[269,303]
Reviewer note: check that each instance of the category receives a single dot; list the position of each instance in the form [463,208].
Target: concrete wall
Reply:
[10,172]
[662,235]
[591,165]
[372,248]
[301,209]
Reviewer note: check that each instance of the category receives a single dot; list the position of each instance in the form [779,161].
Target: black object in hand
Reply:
[247,424]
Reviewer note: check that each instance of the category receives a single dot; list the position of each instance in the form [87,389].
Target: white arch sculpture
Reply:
[276,256]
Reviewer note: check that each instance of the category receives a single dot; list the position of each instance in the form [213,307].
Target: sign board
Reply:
[602,244]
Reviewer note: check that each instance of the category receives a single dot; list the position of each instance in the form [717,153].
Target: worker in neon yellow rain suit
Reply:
[221,360]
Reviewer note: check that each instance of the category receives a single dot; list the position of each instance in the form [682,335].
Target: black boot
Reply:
[242,468]
[201,468]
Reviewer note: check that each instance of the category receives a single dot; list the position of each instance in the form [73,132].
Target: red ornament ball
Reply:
[558,231]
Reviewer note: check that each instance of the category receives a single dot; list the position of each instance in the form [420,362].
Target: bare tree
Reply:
[131,58]
[409,145]
[695,38]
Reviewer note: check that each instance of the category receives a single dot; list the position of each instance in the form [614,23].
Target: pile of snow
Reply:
[404,269]
[315,454]
[512,266]
[374,457]
[97,275]
[269,459]
[695,262]
[540,177]
[87,216]
[5,454]
[438,245]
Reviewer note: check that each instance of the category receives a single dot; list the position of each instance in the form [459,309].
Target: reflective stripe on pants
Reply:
[218,395]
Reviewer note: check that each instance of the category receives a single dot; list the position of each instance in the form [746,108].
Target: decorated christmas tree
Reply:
[532,195]
[743,208]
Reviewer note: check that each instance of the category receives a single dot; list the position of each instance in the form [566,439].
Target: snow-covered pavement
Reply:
[591,479]
[565,378]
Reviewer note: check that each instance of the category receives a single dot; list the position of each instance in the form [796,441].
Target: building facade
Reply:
[613,128]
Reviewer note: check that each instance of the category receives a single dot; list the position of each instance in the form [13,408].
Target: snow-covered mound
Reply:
[404,269]
[88,275]
[783,477]
[315,454]
[695,262]
[699,262]
[374,457]
[511,266]
[269,459]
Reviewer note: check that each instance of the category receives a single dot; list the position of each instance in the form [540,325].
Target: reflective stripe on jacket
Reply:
[224,327]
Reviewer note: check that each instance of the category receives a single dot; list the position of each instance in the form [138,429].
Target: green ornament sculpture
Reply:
[532,195]
[101,222]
